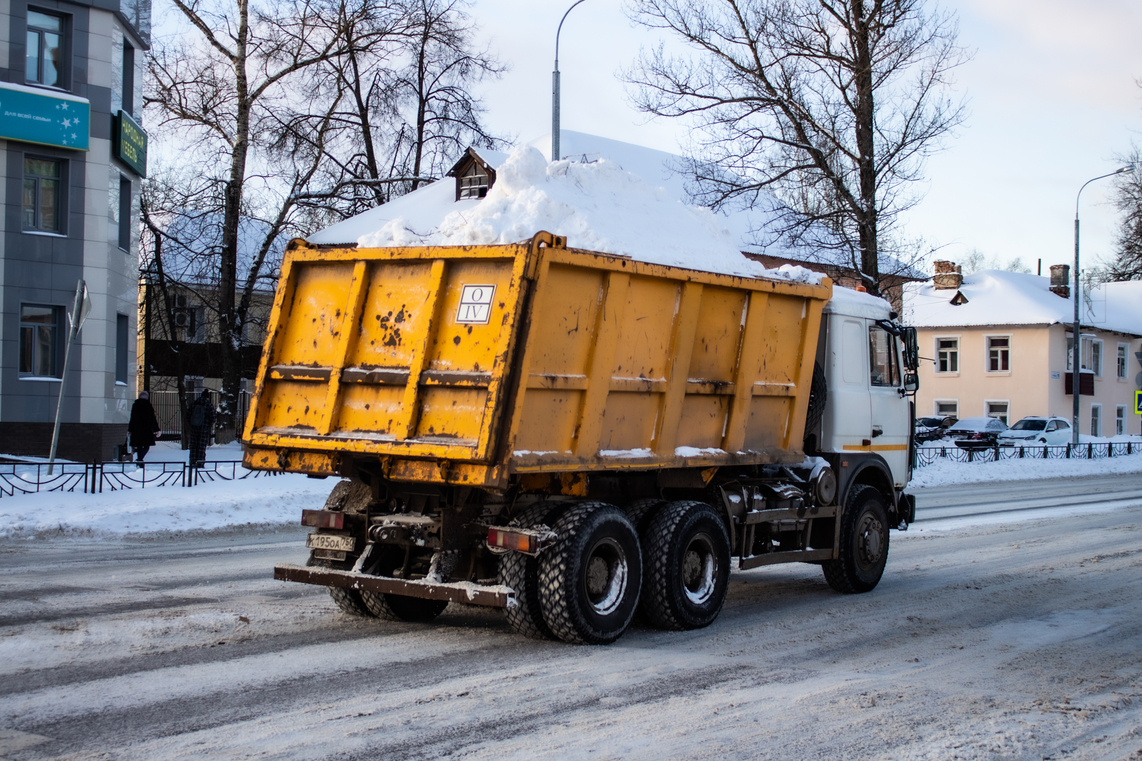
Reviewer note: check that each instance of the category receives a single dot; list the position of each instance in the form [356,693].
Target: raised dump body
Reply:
[470,365]
[571,435]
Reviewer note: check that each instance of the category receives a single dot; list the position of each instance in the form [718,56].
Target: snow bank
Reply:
[267,501]
[279,500]
[946,472]
[598,206]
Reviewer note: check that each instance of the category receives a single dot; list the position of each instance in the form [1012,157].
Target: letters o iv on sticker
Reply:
[475,304]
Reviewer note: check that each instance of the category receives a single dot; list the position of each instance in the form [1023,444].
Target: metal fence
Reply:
[170,417]
[1090,451]
[98,477]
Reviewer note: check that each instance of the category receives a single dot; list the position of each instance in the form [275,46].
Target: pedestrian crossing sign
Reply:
[1138,402]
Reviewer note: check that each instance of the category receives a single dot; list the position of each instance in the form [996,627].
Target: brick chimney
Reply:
[947,276]
[1061,280]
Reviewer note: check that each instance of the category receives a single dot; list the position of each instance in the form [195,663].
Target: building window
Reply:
[128,77]
[1091,355]
[996,410]
[947,355]
[998,354]
[41,340]
[122,344]
[1120,372]
[474,182]
[1096,420]
[45,55]
[883,369]
[43,183]
[124,213]
[1120,420]
[947,408]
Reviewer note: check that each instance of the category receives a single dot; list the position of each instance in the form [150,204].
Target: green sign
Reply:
[130,143]
[32,115]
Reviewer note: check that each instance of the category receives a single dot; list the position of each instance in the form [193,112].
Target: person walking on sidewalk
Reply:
[143,426]
[201,428]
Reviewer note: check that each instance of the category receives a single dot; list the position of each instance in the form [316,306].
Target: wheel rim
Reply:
[606,576]
[869,543]
[699,569]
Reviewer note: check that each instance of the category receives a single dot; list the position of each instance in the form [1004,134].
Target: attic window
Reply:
[959,299]
[473,183]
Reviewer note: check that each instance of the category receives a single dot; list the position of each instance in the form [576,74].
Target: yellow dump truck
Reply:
[574,436]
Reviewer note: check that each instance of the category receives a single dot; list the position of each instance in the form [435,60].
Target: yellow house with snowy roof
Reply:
[998,343]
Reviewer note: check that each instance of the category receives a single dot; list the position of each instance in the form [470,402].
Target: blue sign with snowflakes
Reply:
[32,115]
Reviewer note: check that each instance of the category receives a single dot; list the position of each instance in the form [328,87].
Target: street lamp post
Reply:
[1076,335]
[555,89]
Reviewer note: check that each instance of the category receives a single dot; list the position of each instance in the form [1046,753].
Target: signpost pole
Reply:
[80,308]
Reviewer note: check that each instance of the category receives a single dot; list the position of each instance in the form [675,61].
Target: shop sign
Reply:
[34,115]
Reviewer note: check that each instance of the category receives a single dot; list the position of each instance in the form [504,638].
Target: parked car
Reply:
[976,432]
[1036,430]
[932,428]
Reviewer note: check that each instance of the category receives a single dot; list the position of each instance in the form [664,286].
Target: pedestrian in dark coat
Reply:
[143,426]
[201,420]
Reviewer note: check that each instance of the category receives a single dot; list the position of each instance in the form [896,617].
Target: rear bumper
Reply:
[461,592]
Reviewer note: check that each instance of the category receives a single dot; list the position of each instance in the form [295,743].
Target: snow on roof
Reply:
[598,204]
[853,303]
[998,297]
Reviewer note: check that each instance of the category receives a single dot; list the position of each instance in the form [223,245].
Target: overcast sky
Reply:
[1052,94]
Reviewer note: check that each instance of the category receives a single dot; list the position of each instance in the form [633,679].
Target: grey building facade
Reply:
[73,156]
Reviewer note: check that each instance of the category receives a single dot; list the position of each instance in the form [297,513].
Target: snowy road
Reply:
[1014,639]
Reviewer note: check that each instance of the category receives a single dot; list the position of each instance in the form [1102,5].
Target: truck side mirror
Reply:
[911,383]
[911,349]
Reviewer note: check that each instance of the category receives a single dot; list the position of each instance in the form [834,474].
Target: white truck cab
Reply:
[869,364]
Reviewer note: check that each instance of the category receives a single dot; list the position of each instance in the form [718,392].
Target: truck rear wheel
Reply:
[687,566]
[864,543]
[398,607]
[521,573]
[589,580]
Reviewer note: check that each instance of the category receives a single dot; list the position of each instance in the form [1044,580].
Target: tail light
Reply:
[322,519]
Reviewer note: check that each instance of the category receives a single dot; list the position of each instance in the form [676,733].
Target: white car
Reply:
[1036,430]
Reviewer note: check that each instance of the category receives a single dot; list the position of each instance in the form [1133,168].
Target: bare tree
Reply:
[830,105]
[408,107]
[437,83]
[1127,264]
[223,89]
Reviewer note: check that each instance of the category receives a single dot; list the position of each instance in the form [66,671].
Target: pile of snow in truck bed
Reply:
[597,205]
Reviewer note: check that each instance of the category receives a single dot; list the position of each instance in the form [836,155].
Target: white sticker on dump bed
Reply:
[476,304]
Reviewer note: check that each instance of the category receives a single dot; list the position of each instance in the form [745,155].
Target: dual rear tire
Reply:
[586,588]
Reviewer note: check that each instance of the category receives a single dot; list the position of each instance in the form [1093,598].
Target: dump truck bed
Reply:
[475,364]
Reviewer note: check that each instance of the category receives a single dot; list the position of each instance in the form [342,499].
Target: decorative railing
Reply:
[995,453]
[98,477]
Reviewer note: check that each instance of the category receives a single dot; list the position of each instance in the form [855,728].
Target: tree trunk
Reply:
[230,328]
[865,114]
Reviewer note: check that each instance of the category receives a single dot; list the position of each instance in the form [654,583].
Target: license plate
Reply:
[330,542]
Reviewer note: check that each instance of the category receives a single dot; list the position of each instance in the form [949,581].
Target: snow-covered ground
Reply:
[278,500]
[263,501]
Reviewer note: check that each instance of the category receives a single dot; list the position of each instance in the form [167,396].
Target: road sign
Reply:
[1138,402]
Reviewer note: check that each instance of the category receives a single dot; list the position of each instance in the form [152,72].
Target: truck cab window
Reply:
[883,367]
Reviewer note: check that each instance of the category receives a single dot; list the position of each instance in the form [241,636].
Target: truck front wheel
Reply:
[589,579]
[687,558]
[863,543]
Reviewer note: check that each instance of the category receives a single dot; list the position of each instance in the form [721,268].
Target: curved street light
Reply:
[555,89]
[1076,335]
